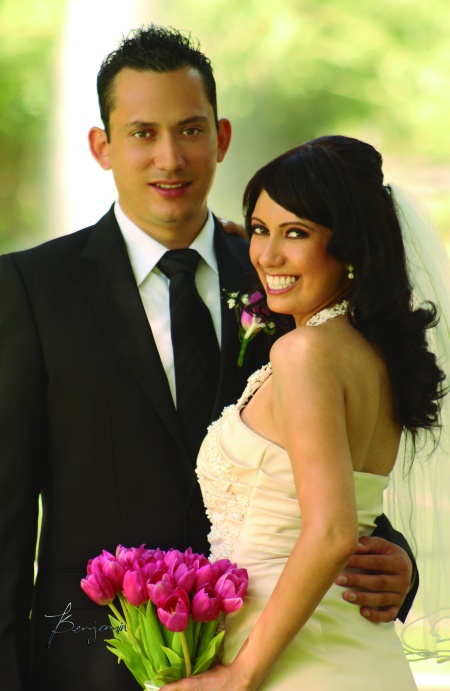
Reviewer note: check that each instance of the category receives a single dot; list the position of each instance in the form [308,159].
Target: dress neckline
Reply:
[328,313]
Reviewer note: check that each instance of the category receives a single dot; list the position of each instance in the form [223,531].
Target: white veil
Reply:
[418,503]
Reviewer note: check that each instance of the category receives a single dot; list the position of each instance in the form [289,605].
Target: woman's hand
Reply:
[219,678]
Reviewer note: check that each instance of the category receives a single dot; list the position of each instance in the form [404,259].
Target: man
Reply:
[88,392]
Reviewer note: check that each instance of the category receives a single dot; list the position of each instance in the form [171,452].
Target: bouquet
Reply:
[166,608]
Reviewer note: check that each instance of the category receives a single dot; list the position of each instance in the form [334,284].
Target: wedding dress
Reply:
[249,492]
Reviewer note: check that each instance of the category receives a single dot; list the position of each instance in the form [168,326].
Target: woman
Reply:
[294,474]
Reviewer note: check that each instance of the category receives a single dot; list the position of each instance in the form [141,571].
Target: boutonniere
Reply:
[252,317]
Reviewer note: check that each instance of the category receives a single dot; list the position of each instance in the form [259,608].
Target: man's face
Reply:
[163,151]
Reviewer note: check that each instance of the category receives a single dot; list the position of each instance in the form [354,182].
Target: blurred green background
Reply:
[286,72]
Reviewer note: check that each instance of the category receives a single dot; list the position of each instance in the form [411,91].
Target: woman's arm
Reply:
[308,408]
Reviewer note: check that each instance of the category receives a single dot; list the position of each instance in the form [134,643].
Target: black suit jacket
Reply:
[87,421]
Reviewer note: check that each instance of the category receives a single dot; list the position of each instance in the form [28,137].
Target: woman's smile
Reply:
[280,283]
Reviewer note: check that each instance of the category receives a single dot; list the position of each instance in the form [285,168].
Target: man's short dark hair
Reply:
[157,49]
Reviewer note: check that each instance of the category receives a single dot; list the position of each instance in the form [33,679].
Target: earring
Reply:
[351,274]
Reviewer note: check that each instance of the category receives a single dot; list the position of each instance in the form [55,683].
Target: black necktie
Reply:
[195,348]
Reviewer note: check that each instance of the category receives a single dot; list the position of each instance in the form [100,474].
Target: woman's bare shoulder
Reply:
[334,347]
[309,342]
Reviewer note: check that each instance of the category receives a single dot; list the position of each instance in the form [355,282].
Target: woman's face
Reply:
[291,258]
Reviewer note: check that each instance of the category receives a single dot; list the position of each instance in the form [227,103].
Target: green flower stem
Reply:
[197,628]
[242,351]
[117,614]
[130,631]
[187,659]
[250,333]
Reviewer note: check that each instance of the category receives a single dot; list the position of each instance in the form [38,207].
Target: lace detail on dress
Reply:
[218,495]
[254,382]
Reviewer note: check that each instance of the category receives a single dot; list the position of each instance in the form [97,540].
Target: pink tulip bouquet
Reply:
[169,605]
[252,317]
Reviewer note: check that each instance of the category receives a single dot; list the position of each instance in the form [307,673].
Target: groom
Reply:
[87,412]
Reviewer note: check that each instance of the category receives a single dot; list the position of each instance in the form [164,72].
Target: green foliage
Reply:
[203,661]
[297,69]
[286,72]
[140,645]
[315,65]
[28,41]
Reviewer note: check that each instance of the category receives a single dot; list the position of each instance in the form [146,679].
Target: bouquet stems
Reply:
[187,657]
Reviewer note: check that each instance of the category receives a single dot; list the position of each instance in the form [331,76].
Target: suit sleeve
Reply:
[385,530]
[22,434]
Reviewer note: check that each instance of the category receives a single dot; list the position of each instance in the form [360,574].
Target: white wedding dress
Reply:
[249,493]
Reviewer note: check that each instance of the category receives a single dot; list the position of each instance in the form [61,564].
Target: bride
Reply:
[294,474]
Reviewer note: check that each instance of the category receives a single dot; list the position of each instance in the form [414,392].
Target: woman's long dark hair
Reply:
[337,182]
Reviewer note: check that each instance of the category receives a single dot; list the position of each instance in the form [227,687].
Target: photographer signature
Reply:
[65,624]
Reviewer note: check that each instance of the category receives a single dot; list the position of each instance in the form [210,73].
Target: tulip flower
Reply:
[184,577]
[98,588]
[110,567]
[194,560]
[173,557]
[206,606]
[222,566]
[231,588]
[128,556]
[174,611]
[179,568]
[205,575]
[160,587]
[135,584]
[210,573]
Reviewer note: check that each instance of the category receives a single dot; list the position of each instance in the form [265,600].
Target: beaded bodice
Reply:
[225,495]
[220,483]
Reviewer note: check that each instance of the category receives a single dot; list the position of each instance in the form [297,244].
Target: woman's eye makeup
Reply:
[297,233]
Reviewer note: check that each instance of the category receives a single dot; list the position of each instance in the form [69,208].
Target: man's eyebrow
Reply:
[187,121]
[194,118]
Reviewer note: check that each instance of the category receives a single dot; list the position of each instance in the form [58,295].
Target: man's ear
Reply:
[223,138]
[98,144]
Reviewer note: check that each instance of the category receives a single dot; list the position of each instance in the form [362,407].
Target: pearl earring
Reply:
[351,270]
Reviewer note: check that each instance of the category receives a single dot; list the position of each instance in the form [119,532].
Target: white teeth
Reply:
[280,282]
[169,187]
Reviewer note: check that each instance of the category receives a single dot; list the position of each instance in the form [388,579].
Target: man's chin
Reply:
[174,224]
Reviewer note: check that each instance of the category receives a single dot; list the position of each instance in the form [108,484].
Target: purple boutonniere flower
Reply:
[252,317]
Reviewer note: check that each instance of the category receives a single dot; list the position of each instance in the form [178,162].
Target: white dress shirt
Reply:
[144,253]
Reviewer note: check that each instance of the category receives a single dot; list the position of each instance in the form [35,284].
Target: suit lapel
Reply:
[234,266]
[104,275]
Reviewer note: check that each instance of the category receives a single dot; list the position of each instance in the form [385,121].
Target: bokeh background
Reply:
[287,70]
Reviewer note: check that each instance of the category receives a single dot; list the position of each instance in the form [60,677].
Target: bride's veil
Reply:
[418,503]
